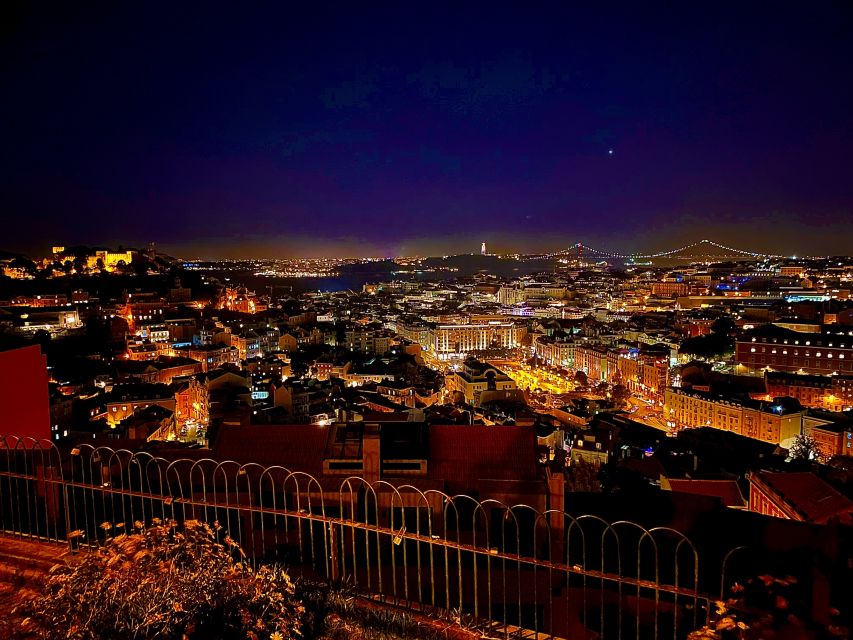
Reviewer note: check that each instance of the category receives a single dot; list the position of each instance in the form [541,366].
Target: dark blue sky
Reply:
[366,128]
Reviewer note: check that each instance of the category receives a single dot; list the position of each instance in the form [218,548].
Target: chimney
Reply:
[370,452]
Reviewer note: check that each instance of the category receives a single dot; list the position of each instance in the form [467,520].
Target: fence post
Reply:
[49,491]
[333,554]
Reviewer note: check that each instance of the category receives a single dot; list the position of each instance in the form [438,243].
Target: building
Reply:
[163,369]
[726,491]
[144,351]
[478,382]
[833,439]
[455,341]
[598,362]
[125,399]
[833,393]
[778,349]
[415,332]
[644,371]
[192,399]
[797,496]
[592,446]
[776,423]
[181,330]
[211,356]
[151,423]
[556,352]
[179,293]
[109,260]
[373,341]
[24,395]
[28,320]
[519,292]
[670,289]
[506,467]
[240,299]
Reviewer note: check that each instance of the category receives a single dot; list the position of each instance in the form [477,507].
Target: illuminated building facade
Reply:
[555,352]
[192,402]
[833,393]
[109,259]
[644,374]
[796,496]
[763,421]
[124,400]
[779,349]
[670,289]
[478,382]
[240,299]
[210,356]
[520,292]
[452,341]
[833,439]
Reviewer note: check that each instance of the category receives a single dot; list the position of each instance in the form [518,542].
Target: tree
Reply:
[805,448]
[713,345]
[723,326]
[620,395]
[164,581]
[580,378]
[24,264]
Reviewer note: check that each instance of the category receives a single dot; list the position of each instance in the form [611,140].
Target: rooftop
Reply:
[805,493]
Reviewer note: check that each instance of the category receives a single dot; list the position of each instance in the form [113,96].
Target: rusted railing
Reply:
[517,569]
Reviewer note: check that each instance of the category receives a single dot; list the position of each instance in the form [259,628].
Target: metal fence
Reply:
[519,570]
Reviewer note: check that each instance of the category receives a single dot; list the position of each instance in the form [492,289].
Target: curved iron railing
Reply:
[512,566]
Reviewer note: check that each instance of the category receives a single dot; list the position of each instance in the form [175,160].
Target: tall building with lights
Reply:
[483,249]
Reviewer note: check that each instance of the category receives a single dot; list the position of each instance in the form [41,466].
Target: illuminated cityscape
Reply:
[384,321]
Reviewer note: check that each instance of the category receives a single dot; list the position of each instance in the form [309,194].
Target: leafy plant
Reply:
[164,581]
[805,447]
[767,607]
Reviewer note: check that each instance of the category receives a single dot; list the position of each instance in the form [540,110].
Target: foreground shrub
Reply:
[768,607]
[164,581]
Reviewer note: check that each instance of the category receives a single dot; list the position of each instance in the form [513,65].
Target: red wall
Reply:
[24,399]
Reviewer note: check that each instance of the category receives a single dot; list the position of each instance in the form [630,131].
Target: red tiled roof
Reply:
[465,454]
[726,490]
[814,499]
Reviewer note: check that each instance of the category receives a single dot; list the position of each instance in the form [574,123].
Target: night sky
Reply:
[304,129]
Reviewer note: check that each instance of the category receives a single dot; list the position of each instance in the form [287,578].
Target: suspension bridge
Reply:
[701,250]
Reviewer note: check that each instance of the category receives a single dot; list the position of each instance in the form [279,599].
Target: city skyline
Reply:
[335,319]
[336,130]
[699,249]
